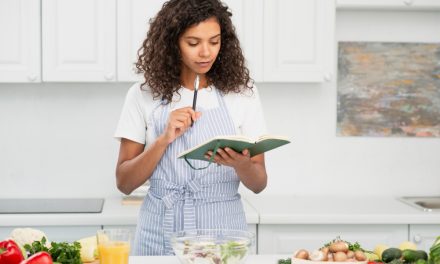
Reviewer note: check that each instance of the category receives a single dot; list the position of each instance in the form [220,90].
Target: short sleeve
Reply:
[132,124]
[253,124]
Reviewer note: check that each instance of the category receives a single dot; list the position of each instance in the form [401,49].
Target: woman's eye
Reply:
[215,43]
[192,44]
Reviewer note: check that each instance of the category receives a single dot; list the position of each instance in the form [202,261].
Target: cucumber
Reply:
[411,256]
[391,254]
[421,261]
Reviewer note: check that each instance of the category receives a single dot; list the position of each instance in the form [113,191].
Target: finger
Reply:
[217,158]
[231,153]
[178,125]
[185,118]
[224,155]
[198,115]
[190,111]
[246,153]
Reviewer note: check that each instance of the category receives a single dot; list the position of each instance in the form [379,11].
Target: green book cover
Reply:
[237,143]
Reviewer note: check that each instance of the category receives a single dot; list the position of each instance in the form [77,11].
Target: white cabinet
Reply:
[389,4]
[298,40]
[57,233]
[285,239]
[20,41]
[133,25]
[247,17]
[79,40]
[424,235]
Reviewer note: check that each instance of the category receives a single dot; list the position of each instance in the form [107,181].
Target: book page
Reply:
[264,137]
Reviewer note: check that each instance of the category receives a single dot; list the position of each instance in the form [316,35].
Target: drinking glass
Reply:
[113,246]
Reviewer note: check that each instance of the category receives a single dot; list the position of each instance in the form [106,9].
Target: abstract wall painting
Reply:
[388,89]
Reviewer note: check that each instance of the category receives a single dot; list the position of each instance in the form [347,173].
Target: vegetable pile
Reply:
[30,246]
[339,250]
[336,250]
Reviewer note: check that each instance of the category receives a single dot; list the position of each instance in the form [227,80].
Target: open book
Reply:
[237,143]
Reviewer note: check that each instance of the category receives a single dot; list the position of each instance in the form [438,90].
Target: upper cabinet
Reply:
[133,25]
[98,40]
[389,4]
[20,41]
[79,40]
[298,40]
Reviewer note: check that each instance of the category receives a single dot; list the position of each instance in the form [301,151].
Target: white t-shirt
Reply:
[244,108]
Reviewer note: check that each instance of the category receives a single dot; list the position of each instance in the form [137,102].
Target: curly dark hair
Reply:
[159,57]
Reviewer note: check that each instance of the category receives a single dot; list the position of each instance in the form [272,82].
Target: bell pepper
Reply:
[39,258]
[10,252]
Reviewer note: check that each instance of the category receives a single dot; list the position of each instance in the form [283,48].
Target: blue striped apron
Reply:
[181,198]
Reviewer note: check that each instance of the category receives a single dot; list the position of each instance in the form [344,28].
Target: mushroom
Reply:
[301,254]
[339,256]
[325,252]
[317,255]
[359,255]
[339,246]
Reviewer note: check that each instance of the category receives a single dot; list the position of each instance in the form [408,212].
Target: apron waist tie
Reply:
[176,193]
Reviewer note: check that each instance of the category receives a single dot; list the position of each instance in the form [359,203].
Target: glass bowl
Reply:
[208,246]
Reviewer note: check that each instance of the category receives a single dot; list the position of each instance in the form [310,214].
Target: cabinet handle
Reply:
[109,76]
[32,77]
[408,2]
[417,238]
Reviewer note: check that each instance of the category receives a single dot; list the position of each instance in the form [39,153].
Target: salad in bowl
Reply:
[208,246]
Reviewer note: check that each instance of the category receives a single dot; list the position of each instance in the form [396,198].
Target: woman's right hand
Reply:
[179,121]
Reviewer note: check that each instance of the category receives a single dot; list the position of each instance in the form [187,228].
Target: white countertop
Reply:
[259,209]
[254,259]
[113,213]
[338,210]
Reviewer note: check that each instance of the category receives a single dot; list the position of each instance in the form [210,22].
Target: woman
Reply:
[188,38]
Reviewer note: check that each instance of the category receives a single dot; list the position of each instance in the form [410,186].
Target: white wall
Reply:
[56,139]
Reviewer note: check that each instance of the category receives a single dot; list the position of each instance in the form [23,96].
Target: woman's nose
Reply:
[204,51]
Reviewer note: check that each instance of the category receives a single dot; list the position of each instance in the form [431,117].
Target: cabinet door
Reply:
[424,235]
[79,40]
[20,41]
[133,25]
[298,40]
[285,239]
[247,17]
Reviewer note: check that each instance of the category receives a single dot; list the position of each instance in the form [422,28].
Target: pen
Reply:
[196,88]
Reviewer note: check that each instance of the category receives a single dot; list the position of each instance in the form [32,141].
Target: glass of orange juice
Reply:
[113,246]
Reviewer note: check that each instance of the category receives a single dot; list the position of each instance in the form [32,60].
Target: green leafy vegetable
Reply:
[64,253]
[351,246]
[231,250]
[285,261]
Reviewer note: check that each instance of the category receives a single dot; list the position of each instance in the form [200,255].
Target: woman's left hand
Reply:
[229,157]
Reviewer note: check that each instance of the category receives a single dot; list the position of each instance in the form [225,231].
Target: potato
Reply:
[339,246]
[350,254]
[302,254]
[339,256]
[360,256]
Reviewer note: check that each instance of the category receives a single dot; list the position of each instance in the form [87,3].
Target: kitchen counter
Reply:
[259,209]
[338,210]
[113,213]
[254,259]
